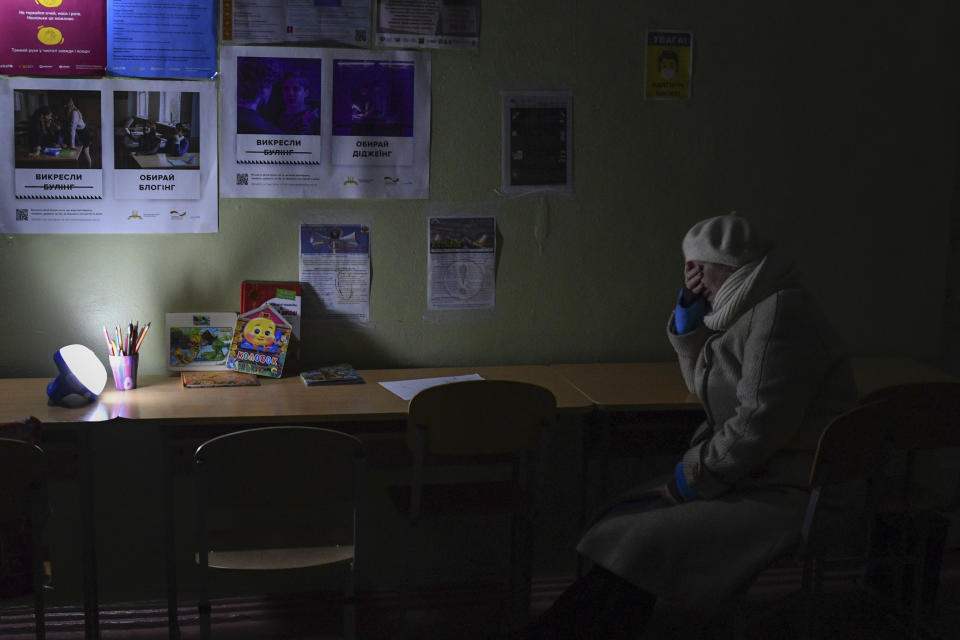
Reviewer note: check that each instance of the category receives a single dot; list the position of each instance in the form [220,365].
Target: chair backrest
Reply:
[279,486]
[22,472]
[480,417]
[854,445]
[925,415]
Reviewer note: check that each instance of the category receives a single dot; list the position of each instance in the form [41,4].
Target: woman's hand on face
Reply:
[693,278]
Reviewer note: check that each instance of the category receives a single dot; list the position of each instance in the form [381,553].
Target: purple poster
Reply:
[53,37]
[278,95]
[373,98]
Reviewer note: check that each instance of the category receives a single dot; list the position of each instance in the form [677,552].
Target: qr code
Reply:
[243,179]
[22,214]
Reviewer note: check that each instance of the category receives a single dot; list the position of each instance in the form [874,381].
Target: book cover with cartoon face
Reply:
[260,342]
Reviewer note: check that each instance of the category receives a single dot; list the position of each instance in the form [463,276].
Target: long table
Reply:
[650,386]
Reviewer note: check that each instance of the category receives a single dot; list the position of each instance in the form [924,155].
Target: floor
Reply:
[467,612]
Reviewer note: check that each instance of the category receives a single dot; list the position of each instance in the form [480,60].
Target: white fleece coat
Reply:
[769,384]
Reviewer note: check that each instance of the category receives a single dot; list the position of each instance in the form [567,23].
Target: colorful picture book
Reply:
[199,340]
[200,379]
[284,296]
[260,342]
[333,374]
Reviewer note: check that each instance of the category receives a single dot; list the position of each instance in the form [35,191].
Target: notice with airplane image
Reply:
[335,271]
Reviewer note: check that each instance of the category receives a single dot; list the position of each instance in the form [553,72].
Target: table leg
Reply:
[170,540]
[91,605]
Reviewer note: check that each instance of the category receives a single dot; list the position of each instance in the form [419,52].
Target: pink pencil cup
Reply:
[124,370]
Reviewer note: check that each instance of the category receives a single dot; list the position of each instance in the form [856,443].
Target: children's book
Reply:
[260,342]
[199,379]
[283,296]
[333,374]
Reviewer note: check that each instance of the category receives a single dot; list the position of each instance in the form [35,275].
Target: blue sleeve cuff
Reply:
[689,318]
[682,486]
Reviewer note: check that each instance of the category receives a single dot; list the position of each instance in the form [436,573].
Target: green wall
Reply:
[834,130]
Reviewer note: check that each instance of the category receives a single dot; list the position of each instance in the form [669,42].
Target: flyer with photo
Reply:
[108,156]
[462,260]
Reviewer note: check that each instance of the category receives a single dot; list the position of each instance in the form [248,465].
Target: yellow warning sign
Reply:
[669,65]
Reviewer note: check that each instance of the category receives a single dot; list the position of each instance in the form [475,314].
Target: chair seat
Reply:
[278,559]
[467,498]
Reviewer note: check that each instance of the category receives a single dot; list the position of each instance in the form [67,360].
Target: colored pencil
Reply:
[125,343]
[109,341]
[143,334]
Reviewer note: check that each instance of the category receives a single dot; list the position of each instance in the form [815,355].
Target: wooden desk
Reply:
[67,158]
[161,161]
[656,386]
[632,386]
[285,401]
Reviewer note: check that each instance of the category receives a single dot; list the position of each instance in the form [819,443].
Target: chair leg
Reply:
[350,602]
[39,620]
[38,576]
[350,618]
[519,576]
[203,611]
[916,600]
[811,584]
[740,618]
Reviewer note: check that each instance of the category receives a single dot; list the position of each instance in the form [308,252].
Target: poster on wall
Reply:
[177,41]
[324,123]
[669,68]
[537,148]
[108,156]
[335,269]
[344,23]
[461,266]
[428,24]
[53,37]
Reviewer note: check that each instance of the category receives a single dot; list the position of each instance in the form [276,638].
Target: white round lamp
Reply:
[81,374]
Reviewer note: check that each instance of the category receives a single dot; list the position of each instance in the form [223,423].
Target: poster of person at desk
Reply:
[57,151]
[156,149]
[111,155]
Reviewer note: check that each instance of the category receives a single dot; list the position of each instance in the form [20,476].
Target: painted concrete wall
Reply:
[834,130]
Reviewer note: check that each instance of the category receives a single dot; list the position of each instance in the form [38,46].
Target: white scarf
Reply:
[728,301]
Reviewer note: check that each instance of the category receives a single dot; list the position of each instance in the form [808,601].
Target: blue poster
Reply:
[177,41]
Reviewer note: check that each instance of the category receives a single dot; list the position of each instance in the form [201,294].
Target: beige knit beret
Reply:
[728,239]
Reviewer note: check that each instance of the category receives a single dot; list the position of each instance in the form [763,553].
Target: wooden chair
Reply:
[277,499]
[472,424]
[23,514]
[910,532]
[852,448]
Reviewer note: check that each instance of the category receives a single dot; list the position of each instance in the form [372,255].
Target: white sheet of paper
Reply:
[406,389]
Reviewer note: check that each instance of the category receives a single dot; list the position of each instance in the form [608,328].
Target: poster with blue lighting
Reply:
[177,41]
[324,123]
